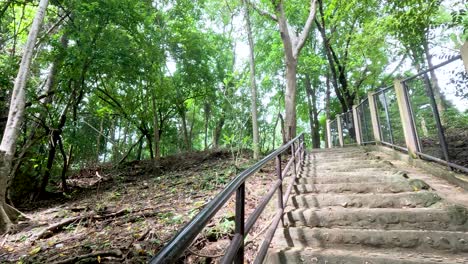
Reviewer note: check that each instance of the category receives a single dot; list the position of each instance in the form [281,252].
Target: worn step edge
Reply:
[428,241]
[359,256]
[349,179]
[449,219]
[383,187]
[367,200]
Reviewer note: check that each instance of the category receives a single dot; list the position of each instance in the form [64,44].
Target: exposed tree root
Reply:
[90,216]
[110,253]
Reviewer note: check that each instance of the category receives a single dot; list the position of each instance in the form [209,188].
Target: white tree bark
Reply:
[293,44]
[15,118]
[253,86]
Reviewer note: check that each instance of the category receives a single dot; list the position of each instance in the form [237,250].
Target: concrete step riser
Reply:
[388,219]
[344,167]
[401,200]
[395,187]
[324,256]
[350,179]
[428,241]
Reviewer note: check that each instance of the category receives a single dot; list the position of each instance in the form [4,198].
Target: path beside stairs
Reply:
[351,206]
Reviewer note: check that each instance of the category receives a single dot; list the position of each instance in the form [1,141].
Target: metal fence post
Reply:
[340,130]
[279,172]
[357,127]
[329,135]
[406,118]
[374,117]
[240,219]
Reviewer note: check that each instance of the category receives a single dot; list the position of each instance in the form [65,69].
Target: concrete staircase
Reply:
[350,207]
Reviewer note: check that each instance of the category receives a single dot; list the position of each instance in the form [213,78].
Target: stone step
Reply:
[386,200]
[349,167]
[338,158]
[451,219]
[349,179]
[358,169]
[384,187]
[423,241]
[359,256]
[311,172]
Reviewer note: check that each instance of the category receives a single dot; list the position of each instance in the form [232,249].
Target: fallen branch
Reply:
[111,253]
[4,240]
[91,216]
[51,229]
[203,255]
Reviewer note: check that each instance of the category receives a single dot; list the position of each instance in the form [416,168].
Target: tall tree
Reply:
[293,42]
[15,118]
[253,85]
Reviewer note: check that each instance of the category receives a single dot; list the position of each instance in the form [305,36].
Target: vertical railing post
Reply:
[293,151]
[374,117]
[329,135]
[279,172]
[240,219]
[357,127]
[406,117]
[340,130]
[387,117]
[435,111]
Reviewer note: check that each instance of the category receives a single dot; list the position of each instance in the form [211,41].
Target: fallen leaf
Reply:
[34,251]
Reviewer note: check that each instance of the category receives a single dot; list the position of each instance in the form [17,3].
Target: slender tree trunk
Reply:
[98,140]
[217,132]
[149,140]
[207,110]
[292,44]
[183,117]
[156,133]
[66,164]
[253,86]
[15,117]
[327,107]
[313,114]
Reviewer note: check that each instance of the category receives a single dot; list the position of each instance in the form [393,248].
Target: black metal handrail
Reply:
[235,253]
[432,68]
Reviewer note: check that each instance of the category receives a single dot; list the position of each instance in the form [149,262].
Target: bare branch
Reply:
[262,12]
[307,28]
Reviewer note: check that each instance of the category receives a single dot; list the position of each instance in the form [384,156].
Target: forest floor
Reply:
[126,214]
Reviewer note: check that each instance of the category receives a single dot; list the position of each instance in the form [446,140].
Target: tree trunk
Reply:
[327,107]
[313,114]
[253,86]
[217,132]
[290,100]
[156,133]
[292,44]
[98,140]
[15,117]
[207,110]
[183,117]
[150,145]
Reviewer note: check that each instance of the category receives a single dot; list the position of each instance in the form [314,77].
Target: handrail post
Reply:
[357,127]
[279,173]
[240,219]
[293,156]
[374,117]
[329,135]
[340,130]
